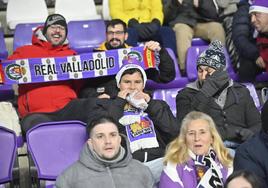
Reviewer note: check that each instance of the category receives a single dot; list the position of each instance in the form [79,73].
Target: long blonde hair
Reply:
[177,150]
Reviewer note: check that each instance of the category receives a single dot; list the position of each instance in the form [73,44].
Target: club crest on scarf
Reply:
[207,171]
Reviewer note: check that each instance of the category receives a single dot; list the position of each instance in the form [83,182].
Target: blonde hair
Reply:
[177,150]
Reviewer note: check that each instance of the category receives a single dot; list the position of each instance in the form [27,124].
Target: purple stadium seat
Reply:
[84,36]
[179,81]
[168,95]
[199,42]
[6,92]
[54,146]
[23,34]
[3,48]
[253,94]
[262,77]
[192,55]
[8,153]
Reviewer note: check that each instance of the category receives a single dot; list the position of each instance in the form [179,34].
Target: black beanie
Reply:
[55,19]
[264,117]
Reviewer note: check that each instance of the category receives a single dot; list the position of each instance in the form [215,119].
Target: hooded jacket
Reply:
[47,96]
[90,171]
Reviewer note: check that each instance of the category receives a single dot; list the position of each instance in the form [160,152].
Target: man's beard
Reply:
[110,47]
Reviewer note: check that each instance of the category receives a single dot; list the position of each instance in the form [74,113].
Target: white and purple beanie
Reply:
[259,6]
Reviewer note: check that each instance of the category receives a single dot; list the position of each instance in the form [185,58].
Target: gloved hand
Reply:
[215,83]
[133,23]
[244,134]
[145,30]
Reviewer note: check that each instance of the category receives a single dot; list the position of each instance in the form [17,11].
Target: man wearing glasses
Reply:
[116,36]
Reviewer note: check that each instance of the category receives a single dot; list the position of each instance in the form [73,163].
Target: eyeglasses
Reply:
[115,32]
[55,27]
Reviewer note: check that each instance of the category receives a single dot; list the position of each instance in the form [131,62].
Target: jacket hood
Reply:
[88,159]
[39,39]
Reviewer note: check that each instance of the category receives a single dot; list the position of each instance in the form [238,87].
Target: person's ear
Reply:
[89,142]
[126,36]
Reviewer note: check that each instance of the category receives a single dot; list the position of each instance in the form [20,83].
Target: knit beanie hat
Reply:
[130,63]
[213,56]
[259,6]
[264,117]
[55,19]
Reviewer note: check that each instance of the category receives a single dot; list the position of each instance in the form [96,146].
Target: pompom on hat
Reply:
[259,6]
[55,19]
[130,63]
[213,57]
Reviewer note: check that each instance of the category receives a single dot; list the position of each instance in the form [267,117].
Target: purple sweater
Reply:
[184,175]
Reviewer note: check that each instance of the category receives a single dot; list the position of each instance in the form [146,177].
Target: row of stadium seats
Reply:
[19,11]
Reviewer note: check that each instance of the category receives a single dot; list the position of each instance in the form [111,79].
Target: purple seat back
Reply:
[199,42]
[8,152]
[192,56]
[54,146]
[168,95]
[23,34]
[179,81]
[262,77]
[84,36]
[3,48]
[253,94]
[6,92]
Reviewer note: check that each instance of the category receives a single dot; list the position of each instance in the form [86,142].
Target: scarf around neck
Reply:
[208,172]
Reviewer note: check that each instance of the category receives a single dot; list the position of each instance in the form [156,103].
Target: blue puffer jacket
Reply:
[252,155]
[243,33]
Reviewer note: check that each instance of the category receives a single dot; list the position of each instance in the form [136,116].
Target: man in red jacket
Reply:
[50,101]
[259,18]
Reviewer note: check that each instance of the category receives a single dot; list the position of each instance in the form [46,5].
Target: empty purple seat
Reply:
[54,146]
[253,94]
[192,56]
[168,95]
[199,42]
[3,48]
[8,153]
[179,81]
[23,34]
[262,77]
[6,92]
[84,36]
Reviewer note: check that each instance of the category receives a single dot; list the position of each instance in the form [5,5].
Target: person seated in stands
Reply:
[193,18]
[144,19]
[259,18]
[50,101]
[215,93]
[251,63]
[116,35]
[148,123]
[105,161]
[197,157]
[252,155]
[242,179]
